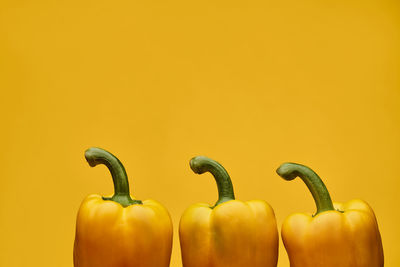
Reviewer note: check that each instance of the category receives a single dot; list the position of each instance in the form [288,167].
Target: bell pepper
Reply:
[337,235]
[231,233]
[120,231]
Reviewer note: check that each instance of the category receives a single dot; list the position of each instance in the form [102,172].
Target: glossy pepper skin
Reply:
[232,233]
[120,231]
[338,235]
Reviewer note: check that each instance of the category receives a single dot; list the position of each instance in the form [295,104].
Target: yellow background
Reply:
[251,84]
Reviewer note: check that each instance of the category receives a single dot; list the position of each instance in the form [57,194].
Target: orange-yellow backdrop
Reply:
[249,83]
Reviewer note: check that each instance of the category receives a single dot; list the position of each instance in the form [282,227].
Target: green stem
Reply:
[95,156]
[289,171]
[203,164]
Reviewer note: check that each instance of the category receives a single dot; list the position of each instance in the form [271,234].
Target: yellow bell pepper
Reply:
[119,231]
[338,235]
[232,233]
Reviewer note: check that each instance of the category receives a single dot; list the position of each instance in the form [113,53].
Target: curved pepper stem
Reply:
[289,171]
[95,156]
[201,164]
